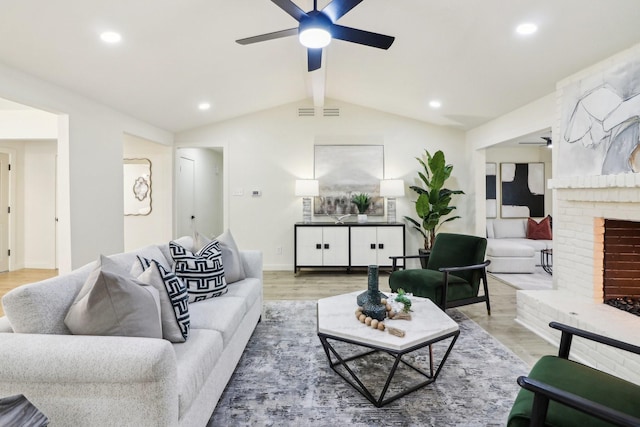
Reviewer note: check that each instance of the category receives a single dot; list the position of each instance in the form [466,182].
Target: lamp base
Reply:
[391,210]
[306,210]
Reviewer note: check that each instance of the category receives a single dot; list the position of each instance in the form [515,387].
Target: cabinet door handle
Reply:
[380,245]
[373,246]
[326,246]
[318,246]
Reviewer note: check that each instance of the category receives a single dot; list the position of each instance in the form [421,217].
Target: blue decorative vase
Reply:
[369,300]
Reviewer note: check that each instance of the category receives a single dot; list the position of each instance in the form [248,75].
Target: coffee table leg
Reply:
[356,383]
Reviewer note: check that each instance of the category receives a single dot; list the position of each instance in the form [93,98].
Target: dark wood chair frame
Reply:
[447,270]
[543,392]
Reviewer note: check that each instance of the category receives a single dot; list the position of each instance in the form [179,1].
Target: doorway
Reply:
[186,201]
[4,212]
[200,178]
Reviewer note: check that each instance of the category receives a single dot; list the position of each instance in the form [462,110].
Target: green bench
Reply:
[560,392]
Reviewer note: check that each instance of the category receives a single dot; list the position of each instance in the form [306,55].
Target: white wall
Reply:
[40,204]
[209,173]
[269,150]
[90,139]
[155,228]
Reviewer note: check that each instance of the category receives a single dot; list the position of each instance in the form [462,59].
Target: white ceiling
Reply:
[175,54]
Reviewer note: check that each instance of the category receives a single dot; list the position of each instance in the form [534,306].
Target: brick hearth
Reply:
[581,205]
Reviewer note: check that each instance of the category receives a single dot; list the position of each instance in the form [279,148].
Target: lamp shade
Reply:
[307,187]
[392,188]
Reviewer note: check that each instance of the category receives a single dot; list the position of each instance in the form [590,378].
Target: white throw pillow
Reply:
[113,303]
[233,268]
[510,229]
[174,299]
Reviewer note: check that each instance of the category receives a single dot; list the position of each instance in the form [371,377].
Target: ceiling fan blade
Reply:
[314,59]
[291,8]
[269,36]
[338,8]
[362,37]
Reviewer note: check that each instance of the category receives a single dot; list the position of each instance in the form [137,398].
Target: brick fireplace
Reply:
[621,254]
[581,205]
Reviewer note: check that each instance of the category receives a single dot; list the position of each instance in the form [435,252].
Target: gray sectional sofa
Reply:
[83,380]
[509,249]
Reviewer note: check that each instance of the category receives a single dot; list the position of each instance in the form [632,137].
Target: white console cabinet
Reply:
[347,245]
[374,245]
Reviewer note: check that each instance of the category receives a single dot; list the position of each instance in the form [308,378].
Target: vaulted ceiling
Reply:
[176,54]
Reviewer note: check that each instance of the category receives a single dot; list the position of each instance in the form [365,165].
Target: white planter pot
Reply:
[362,218]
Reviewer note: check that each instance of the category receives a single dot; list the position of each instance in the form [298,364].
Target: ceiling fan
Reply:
[546,140]
[317,28]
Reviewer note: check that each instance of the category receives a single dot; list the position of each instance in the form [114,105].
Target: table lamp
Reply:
[391,188]
[307,188]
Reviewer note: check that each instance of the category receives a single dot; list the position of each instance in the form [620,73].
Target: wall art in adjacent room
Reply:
[491,190]
[522,186]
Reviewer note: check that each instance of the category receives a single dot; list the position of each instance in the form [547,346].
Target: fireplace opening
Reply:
[621,276]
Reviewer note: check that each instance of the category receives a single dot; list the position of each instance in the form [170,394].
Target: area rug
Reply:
[284,379]
[538,280]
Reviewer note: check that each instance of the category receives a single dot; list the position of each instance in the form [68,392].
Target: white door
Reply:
[186,201]
[4,212]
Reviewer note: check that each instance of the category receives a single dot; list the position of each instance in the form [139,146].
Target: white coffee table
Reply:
[429,324]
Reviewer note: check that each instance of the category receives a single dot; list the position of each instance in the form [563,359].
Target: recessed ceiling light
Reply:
[110,37]
[435,104]
[526,29]
[204,106]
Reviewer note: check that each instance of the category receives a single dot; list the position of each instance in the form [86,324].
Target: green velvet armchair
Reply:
[453,273]
[559,392]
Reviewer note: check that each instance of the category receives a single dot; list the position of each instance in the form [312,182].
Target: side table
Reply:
[546,260]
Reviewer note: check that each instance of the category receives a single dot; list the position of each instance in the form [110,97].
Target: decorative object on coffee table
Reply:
[18,411]
[370,300]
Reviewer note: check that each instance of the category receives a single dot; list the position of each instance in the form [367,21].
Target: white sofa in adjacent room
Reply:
[88,380]
[509,249]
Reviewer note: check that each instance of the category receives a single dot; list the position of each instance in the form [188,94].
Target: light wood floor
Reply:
[311,285]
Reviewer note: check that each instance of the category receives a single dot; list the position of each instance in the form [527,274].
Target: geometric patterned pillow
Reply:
[174,299]
[203,277]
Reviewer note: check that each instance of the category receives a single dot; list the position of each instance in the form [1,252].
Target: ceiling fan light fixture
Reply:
[314,31]
[314,38]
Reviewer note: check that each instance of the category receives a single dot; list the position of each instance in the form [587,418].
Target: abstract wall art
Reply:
[600,121]
[491,190]
[522,188]
[345,170]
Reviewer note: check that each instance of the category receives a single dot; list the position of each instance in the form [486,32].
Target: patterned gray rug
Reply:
[284,379]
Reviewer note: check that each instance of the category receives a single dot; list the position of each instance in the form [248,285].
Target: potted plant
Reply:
[433,203]
[362,202]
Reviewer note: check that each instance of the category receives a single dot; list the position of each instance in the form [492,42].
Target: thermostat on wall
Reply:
[256,193]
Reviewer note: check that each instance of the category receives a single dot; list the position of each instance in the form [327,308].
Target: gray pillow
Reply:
[174,299]
[231,261]
[111,302]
